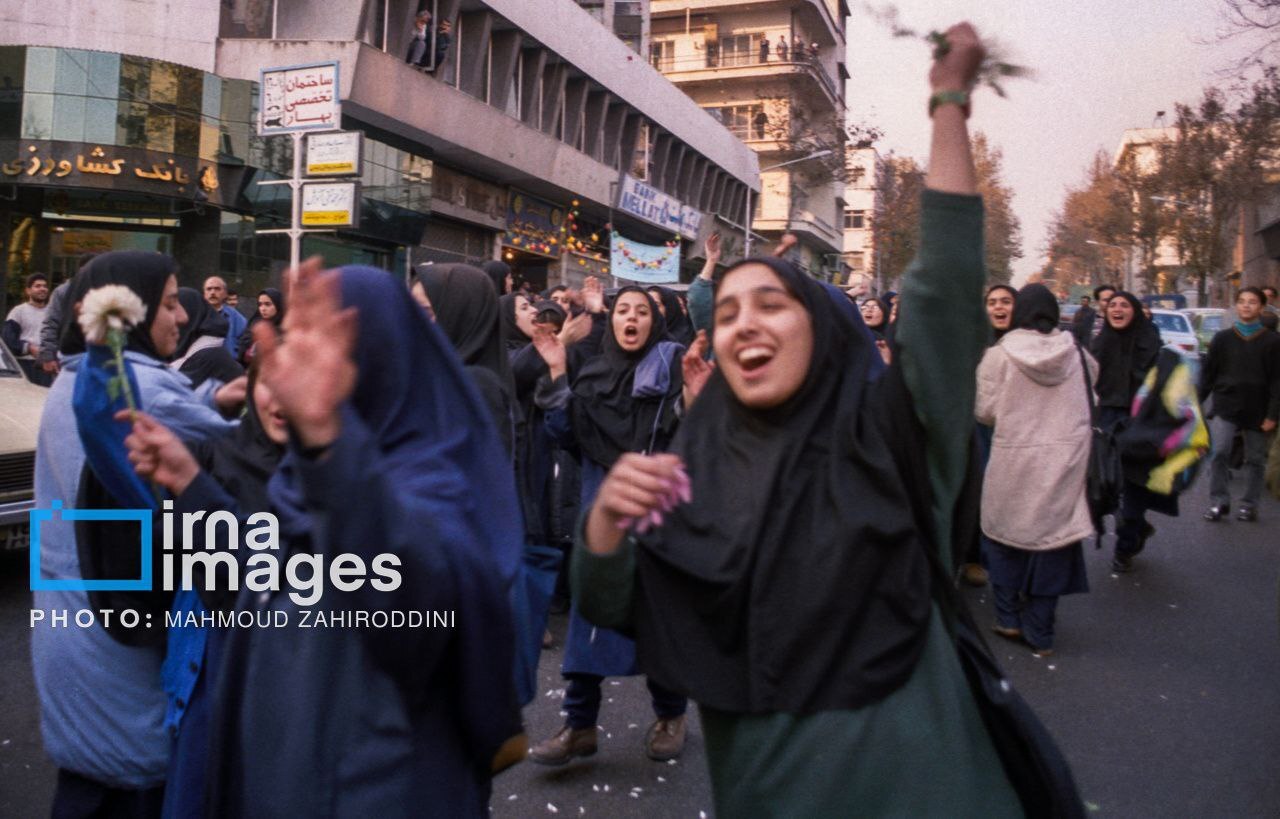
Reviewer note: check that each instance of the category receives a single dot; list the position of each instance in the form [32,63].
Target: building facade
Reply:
[133,124]
[862,204]
[773,72]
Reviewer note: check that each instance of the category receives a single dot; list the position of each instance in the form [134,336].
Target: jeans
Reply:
[1222,433]
[1033,614]
[583,694]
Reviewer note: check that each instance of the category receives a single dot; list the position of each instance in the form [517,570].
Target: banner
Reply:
[649,264]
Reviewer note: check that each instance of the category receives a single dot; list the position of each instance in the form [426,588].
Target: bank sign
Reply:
[657,208]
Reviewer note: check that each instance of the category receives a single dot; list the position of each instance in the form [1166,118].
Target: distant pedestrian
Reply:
[759,124]
[215,293]
[764,49]
[22,328]
[1031,390]
[783,48]
[1242,374]
[1082,322]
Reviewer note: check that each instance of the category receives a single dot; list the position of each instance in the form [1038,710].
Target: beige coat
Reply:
[1031,390]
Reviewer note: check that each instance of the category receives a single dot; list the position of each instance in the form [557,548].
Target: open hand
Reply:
[711,248]
[695,368]
[593,295]
[550,347]
[788,241]
[157,454]
[310,372]
[575,329]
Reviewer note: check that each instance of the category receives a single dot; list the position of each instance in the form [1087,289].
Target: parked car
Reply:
[1206,322]
[1175,332]
[21,403]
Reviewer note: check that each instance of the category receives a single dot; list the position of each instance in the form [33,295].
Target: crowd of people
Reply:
[653,462]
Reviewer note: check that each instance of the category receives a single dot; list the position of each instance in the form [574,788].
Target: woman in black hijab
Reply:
[622,400]
[466,309]
[1126,349]
[270,308]
[499,273]
[201,355]
[786,587]
[875,314]
[679,328]
[999,303]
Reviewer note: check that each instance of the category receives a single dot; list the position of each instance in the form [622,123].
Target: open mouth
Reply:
[753,358]
[631,333]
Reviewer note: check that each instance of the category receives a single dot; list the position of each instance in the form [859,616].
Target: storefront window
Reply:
[37,116]
[68,117]
[40,64]
[12,69]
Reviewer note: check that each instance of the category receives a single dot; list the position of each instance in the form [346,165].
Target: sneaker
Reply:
[1247,513]
[1122,563]
[665,739]
[564,746]
[974,574]
[1216,513]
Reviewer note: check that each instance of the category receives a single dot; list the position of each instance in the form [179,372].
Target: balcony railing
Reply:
[712,60]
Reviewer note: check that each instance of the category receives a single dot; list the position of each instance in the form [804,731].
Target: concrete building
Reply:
[862,203]
[518,135]
[628,19]
[773,72]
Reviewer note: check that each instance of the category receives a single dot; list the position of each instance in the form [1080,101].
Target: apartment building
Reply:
[773,72]
[862,203]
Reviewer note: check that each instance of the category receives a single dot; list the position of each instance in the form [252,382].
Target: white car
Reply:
[1176,331]
[21,404]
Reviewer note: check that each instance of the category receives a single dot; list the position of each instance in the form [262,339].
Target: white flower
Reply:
[110,307]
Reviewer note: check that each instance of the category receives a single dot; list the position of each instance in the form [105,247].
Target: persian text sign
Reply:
[333,154]
[330,204]
[298,98]
[690,222]
[648,203]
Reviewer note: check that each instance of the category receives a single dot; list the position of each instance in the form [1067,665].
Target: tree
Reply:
[1002,232]
[797,130]
[1214,166]
[1090,233]
[896,221]
[1257,21]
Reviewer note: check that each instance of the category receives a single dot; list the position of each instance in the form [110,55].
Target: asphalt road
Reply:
[1164,692]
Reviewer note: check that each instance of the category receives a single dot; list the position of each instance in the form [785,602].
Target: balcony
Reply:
[711,67]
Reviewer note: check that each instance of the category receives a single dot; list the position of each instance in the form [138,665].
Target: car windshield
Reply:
[1171,322]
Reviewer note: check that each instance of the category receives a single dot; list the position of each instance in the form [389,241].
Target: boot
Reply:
[665,739]
[564,746]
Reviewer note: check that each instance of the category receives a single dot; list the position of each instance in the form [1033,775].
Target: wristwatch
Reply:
[960,98]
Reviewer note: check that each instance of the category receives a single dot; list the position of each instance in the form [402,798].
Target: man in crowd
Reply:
[1271,313]
[215,292]
[1242,373]
[23,334]
[1082,323]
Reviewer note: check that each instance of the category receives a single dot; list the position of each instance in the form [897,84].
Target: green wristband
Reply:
[960,98]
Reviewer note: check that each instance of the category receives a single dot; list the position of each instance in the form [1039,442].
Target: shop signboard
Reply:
[533,224]
[469,199]
[648,203]
[330,204]
[690,222]
[333,153]
[299,98]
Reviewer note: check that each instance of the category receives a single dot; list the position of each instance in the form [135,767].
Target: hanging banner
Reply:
[649,264]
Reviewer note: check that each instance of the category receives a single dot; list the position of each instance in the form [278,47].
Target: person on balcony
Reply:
[782,48]
[764,49]
[759,124]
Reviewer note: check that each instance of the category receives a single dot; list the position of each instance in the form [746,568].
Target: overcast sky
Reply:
[1101,66]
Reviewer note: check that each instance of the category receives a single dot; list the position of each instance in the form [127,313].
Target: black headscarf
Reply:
[679,328]
[513,337]
[497,271]
[882,328]
[142,272]
[1124,356]
[796,579]
[202,320]
[1035,308]
[607,419]
[999,334]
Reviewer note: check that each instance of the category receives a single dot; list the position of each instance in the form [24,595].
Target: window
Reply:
[662,54]
[855,220]
[740,49]
[746,122]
